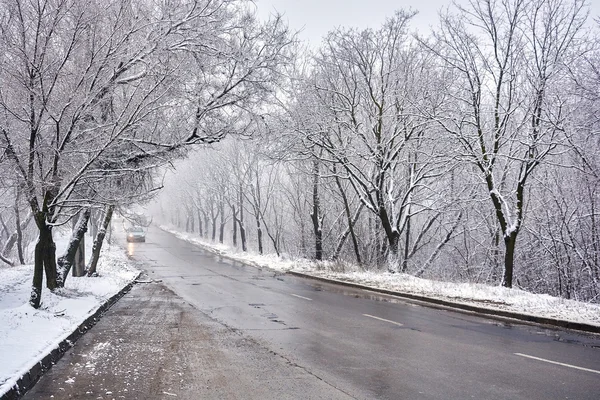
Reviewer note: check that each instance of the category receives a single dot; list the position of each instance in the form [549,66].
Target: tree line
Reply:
[468,154]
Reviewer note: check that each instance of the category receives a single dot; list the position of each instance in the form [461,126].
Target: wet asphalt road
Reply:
[350,343]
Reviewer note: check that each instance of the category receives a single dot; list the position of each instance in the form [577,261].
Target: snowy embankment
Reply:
[27,335]
[490,297]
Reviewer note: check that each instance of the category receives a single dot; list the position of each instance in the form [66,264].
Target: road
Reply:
[359,344]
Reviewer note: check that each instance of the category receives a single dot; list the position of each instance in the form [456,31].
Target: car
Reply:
[136,234]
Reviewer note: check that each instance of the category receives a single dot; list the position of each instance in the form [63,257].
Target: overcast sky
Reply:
[317,17]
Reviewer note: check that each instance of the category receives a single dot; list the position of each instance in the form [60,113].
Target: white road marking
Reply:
[301,297]
[557,363]
[385,320]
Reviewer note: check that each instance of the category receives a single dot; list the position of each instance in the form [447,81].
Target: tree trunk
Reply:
[315,216]
[44,261]
[274,239]
[259,234]
[406,242]
[509,259]
[235,224]
[214,229]
[12,240]
[79,262]
[200,227]
[19,232]
[66,261]
[206,224]
[243,235]
[222,222]
[94,224]
[350,231]
[99,240]
[241,220]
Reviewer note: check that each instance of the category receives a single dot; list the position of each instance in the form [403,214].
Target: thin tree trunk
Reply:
[66,261]
[99,240]
[19,232]
[200,227]
[235,224]
[6,260]
[406,241]
[350,232]
[315,216]
[243,235]
[214,228]
[259,234]
[206,224]
[241,220]
[79,262]
[12,240]
[222,223]
[351,221]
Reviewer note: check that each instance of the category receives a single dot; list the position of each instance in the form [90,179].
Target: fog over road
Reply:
[359,344]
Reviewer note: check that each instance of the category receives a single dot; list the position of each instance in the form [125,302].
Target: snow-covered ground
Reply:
[492,297]
[26,334]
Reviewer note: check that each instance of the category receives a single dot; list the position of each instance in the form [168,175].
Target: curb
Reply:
[30,378]
[578,326]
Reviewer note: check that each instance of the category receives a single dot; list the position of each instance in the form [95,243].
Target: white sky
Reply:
[317,17]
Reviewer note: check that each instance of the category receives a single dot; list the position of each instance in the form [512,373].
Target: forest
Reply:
[464,154]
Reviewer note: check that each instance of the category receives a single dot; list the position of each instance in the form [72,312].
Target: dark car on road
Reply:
[136,234]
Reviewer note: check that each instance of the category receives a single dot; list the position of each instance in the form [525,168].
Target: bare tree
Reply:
[95,92]
[504,107]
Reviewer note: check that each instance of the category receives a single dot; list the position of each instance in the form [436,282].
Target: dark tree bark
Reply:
[223,221]
[79,264]
[214,228]
[406,242]
[241,220]
[99,240]
[259,235]
[19,232]
[200,227]
[66,261]
[509,259]
[315,215]
[206,224]
[235,225]
[44,260]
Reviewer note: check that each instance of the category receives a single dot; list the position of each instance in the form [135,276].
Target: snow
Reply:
[485,296]
[27,334]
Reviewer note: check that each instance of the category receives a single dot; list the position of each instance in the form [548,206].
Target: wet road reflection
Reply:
[401,350]
[130,249]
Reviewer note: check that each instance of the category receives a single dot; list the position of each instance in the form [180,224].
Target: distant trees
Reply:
[432,156]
